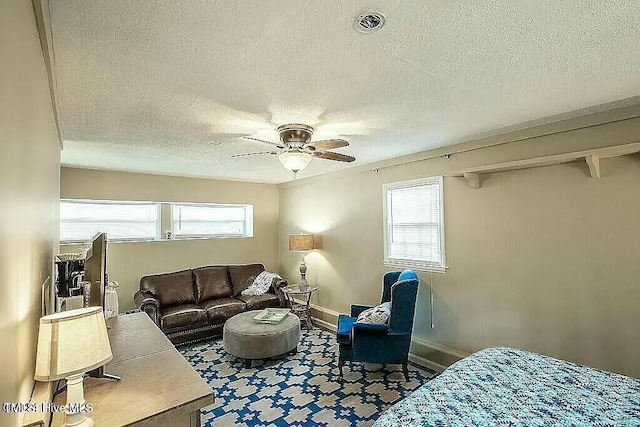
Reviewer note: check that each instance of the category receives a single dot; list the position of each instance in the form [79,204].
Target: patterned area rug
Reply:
[299,390]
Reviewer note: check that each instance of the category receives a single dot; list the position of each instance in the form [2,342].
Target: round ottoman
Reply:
[243,337]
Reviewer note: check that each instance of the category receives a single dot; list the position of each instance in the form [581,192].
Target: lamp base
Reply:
[75,414]
[303,273]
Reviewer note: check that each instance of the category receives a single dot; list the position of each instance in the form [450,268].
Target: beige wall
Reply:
[545,259]
[128,261]
[29,171]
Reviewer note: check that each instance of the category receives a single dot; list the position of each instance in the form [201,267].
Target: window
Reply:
[81,219]
[129,221]
[414,231]
[212,220]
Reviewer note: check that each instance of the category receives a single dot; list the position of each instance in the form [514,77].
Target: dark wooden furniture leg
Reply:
[405,369]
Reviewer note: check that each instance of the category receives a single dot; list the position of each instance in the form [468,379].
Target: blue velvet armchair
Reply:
[387,343]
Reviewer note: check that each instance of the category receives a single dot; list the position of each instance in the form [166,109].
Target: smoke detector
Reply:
[370,22]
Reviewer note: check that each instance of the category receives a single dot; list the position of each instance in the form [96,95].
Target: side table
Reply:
[299,299]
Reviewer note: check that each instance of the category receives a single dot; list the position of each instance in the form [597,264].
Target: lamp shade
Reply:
[301,242]
[71,342]
[294,160]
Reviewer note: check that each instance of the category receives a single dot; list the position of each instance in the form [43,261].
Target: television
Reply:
[95,272]
[95,269]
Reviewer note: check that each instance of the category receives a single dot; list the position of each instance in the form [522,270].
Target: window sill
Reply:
[418,267]
[88,242]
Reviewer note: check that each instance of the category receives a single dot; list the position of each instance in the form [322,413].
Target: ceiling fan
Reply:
[297,150]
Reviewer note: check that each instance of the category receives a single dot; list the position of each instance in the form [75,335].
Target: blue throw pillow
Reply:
[407,275]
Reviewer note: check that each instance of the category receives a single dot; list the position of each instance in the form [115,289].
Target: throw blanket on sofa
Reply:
[506,386]
[261,284]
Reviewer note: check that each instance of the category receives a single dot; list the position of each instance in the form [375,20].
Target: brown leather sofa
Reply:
[191,305]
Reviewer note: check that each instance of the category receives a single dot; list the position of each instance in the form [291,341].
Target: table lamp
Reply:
[71,343]
[302,243]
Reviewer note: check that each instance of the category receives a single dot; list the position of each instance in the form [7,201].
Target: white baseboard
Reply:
[325,325]
[325,310]
[439,347]
[425,363]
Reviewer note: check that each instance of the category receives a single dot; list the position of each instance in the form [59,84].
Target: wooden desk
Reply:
[158,387]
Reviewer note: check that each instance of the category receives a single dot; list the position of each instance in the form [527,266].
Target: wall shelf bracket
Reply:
[594,165]
[473,179]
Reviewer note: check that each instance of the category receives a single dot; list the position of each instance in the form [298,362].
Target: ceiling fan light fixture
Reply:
[294,160]
[297,150]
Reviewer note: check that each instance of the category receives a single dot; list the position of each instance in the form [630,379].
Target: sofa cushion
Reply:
[242,276]
[170,288]
[182,315]
[212,282]
[219,310]
[259,302]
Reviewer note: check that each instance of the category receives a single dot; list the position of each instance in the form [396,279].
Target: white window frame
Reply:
[418,265]
[247,228]
[111,203]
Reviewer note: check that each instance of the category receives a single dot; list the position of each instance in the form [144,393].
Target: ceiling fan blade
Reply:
[266,142]
[259,153]
[330,155]
[328,144]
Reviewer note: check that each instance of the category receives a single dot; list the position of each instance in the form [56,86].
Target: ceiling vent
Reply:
[370,22]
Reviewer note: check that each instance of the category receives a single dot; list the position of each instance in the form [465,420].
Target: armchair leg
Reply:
[405,370]
[340,365]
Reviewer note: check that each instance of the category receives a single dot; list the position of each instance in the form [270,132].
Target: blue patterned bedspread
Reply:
[509,387]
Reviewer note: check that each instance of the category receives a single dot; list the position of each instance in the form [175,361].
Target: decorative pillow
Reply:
[407,275]
[261,284]
[378,315]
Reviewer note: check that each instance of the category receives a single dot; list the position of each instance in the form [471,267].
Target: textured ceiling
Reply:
[165,86]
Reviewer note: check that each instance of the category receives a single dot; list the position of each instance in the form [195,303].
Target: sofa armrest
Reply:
[149,305]
[357,309]
[370,329]
[276,286]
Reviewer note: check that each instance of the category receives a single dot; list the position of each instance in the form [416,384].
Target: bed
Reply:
[510,387]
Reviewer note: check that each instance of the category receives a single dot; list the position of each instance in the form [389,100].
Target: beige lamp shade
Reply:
[71,342]
[301,242]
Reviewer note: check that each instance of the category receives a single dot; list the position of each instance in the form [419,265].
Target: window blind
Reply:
[414,224]
[203,220]
[81,219]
